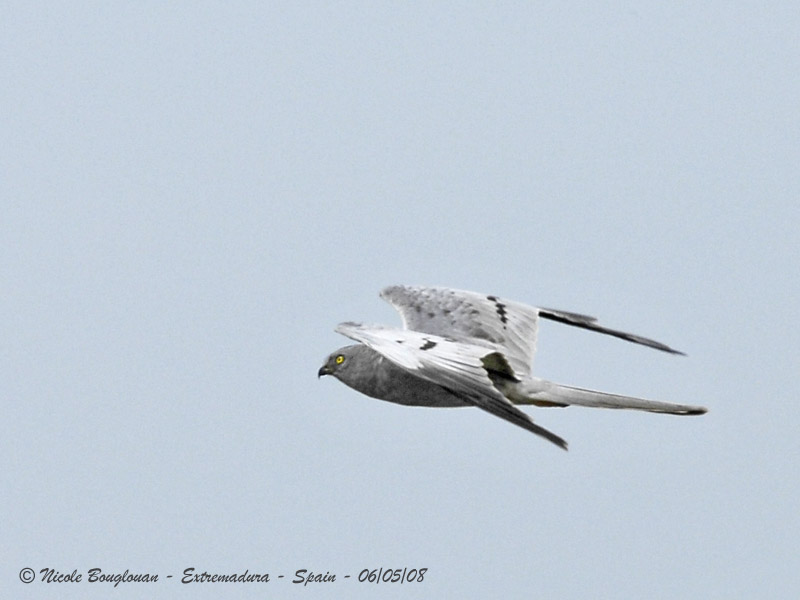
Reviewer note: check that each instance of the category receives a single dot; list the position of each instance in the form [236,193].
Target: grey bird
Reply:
[459,348]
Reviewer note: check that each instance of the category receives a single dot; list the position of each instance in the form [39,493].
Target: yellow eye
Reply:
[339,359]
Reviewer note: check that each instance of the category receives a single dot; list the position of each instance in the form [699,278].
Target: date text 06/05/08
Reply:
[392,575]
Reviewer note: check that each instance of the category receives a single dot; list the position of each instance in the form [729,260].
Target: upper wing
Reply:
[464,368]
[510,326]
[469,316]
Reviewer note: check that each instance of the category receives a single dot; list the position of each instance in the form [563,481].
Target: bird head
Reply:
[340,361]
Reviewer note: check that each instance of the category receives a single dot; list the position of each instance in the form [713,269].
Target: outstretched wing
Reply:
[469,317]
[477,318]
[463,368]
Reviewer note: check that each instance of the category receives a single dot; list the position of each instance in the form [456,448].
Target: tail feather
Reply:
[552,394]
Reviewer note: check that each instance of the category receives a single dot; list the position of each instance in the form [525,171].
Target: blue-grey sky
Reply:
[194,195]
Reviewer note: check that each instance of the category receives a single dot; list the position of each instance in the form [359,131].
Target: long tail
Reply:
[544,393]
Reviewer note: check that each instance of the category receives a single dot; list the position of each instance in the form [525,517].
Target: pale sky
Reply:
[194,195]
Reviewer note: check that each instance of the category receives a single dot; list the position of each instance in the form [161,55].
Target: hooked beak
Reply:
[323,370]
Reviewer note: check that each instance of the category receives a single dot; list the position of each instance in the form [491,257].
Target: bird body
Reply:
[380,378]
[460,348]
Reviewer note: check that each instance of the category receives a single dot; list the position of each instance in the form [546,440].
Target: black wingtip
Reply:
[665,348]
[576,320]
[552,437]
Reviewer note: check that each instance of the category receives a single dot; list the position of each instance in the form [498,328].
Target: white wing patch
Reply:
[470,317]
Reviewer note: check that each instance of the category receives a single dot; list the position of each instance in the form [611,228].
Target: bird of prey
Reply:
[459,348]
